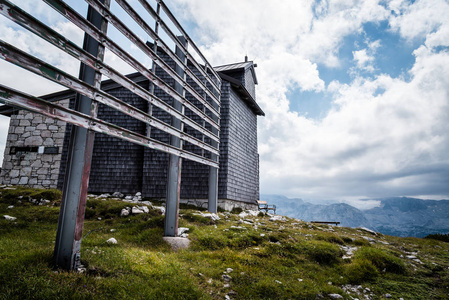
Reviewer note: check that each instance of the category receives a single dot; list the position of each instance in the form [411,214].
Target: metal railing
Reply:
[194,96]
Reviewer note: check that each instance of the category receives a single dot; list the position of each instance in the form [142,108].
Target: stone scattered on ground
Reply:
[125,212]
[226,277]
[182,232]
[160,208]
[371,240]
[177,243]
[349,251]
[278,218]
[246,213]
[137,210]
[9,218]
[118,195]
[11,206]
[368,230]
[335,296]
[112,241]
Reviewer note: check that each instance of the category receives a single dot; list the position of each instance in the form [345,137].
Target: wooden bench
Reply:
[263,206]
[325,222]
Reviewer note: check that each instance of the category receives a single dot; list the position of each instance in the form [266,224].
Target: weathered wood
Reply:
[263,206]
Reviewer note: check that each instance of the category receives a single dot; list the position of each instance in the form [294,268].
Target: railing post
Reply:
[71,217]
[175,162]
[213,173]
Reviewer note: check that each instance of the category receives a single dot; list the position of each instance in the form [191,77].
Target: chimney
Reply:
[246,58]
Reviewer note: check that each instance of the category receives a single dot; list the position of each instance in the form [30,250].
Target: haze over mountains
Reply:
[398,216]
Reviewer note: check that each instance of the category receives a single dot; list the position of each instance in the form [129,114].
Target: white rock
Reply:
[9,218]
[124,213]
[161,208]
[104,196]
[11,206]
[117,195]
[182,230]
[335,296]
[246,213]
[145,209]
[277,281]
[137,210]
[368,230]
[147,203]
[111,241]
[371,240]
[128,197]
[226,277]
[212,216]
[229,270]
[278,218]
[112,230]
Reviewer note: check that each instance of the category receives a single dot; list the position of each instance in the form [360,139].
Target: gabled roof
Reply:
[239,66]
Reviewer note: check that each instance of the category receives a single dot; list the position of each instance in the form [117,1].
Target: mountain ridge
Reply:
[398,216]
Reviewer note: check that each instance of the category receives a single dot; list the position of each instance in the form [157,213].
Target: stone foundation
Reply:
[225,204]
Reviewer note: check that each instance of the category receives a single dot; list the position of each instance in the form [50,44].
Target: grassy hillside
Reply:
[236,257]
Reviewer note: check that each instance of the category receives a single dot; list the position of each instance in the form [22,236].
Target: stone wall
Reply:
[33,150]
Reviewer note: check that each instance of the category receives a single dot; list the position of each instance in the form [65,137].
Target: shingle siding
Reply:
[122,166]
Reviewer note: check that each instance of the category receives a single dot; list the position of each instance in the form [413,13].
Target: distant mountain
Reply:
[399,216]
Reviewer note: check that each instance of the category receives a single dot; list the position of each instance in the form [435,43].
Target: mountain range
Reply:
[397,216]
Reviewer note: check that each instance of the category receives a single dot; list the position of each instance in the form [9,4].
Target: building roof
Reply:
[239,66]
[244,94]
[224,70]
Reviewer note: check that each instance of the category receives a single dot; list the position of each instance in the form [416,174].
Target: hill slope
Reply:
[231,256]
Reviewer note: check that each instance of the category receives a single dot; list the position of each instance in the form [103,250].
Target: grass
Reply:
[269,260]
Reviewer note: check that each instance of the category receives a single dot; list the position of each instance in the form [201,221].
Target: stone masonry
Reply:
[33,150]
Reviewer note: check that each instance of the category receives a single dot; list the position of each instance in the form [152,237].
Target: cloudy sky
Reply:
[356,93]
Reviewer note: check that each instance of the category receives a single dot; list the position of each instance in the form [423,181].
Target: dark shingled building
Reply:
[36,149]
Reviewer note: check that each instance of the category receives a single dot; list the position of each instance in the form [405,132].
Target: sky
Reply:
[355,93]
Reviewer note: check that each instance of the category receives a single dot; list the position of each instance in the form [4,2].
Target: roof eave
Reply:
[246,96]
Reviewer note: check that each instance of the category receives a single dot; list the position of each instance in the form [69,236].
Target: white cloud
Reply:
[370,144]
[363,60]
[424,19]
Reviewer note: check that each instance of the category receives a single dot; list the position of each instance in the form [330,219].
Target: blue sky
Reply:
[356,93]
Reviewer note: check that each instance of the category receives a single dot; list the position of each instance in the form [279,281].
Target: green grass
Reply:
[275,260]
